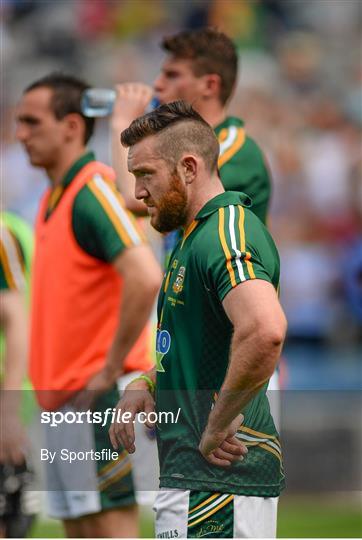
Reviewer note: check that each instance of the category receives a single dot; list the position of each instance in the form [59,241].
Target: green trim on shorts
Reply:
[115,481]
[210,515]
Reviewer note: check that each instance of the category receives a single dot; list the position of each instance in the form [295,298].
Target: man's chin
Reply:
[34,161]
[163,228]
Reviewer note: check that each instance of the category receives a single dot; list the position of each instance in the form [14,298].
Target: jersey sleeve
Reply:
[239,252]
[12,267]
[243,167]
[102,226]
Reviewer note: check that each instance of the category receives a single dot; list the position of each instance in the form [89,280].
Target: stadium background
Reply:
[299,92]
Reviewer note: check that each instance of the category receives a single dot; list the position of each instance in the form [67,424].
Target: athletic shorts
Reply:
[86,486]
[198,514]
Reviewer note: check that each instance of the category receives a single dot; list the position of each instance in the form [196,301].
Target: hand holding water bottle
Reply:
[132,100]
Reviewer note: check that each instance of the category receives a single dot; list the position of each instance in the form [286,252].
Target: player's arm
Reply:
[259,331]
[245,272]
[141,282]
[14,323]
[137,397]
[105,230]
[131,102]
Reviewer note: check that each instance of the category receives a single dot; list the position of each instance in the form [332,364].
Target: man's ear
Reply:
[74,126]
[189,166]
[212,85]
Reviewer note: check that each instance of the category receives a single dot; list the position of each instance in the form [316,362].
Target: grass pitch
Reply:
[299,517]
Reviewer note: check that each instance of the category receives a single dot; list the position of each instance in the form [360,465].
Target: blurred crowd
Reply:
[299,93]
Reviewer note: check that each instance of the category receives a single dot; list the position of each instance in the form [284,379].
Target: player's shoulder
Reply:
[235,142]
[99,193]
[220,221]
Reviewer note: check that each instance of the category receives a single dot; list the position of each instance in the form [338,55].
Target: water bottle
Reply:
[98,102]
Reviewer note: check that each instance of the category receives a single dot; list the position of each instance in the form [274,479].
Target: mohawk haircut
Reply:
[180,129]
[210,52]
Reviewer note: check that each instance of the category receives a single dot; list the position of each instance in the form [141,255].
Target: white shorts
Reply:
[90,483]
[192,514]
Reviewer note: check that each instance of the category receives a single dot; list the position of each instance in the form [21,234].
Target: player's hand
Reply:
[131,102]
[96,386]
[136,398]
[222,448]
[13,442]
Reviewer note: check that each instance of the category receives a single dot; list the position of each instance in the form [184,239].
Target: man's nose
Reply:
[21,132]
[140,191]
[158,83]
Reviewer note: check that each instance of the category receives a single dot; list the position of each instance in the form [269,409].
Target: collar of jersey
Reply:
[222,200]
[76,167]
[229,120]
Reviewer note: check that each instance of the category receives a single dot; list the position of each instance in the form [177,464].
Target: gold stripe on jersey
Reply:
[231,150]
[213,511]
[188,231]
[104,470]
[5,264]
[254,441]
[225,246]
[269,449]
[259,434]
[212,502]
[123,472]
[11,260]
[167,281]
[136,222]
[54,198]
[247,257]
[222,135]
[122,233]
[204,503]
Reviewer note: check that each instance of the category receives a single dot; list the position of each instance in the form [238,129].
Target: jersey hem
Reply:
[222,487]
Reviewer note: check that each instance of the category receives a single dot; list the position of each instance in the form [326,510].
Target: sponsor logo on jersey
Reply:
[178,283]
[210,527]
[168,534]
[163,344]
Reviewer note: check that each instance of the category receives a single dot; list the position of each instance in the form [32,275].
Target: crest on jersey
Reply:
[178,283]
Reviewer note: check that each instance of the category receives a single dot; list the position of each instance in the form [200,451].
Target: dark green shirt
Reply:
[225,246]
[242,166]
[13,264]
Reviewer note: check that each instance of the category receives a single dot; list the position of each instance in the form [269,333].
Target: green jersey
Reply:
[16,247]
[225,245]
[16,250]
[242,166]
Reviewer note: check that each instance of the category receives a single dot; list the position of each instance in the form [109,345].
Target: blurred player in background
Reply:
[220,333]
[91,298]
[18,506]
[201,69]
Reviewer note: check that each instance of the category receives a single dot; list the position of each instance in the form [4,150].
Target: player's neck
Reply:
[207,190]
[62,165]
[212,112]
